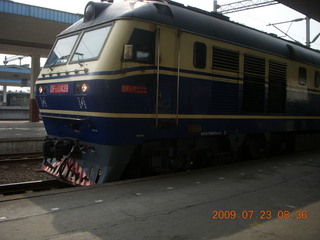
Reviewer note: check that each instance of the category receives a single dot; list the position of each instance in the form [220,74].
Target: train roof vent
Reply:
[93,10]
[163,9]
[292,53]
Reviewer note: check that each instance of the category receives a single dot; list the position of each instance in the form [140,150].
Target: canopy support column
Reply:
[35,70]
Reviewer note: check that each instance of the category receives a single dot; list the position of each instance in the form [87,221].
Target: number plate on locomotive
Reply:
[59,88]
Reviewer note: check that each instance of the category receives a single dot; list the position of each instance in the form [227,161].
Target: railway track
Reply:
[33,186]
[21,167]
[37,156]
[21,173]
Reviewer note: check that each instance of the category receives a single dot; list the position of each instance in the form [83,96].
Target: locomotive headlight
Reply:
[89,12]
[94,9]
[84,88]
[42,89]
[81,88]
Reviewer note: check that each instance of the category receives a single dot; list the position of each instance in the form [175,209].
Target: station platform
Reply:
[14,113]
[21,137]
[270,199]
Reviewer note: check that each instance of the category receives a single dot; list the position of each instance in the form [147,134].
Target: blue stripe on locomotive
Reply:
[126,131]
[197,97]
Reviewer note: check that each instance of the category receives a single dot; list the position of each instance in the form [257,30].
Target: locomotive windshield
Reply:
[88,48]
[61,52]
[91,44]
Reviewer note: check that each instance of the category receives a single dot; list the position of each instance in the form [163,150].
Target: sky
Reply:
[257,18]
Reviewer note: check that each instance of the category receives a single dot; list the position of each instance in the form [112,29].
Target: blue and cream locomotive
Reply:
[141,85]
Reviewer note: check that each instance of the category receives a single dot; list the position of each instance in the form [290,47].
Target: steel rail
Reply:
[41,185]
[22,156]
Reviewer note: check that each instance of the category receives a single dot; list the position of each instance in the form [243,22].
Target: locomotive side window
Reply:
[317,79]
[226,60]
[91,44]
[302,76]
[142,44]
[61,52]
[199,55]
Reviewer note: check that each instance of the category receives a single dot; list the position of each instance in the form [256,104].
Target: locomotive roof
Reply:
[199,22]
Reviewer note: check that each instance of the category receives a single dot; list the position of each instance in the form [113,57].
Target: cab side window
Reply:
[143,46]
[302,76]
[199,55]
[317,79]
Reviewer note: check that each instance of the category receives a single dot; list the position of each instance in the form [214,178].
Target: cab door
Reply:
[168,77]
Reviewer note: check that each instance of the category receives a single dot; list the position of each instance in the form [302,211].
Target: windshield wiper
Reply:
[54,64]
[64,57]
[58,60]
[79,55]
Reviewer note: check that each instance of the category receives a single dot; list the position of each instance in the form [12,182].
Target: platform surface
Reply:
[21,137]
[274,199]
[21,130]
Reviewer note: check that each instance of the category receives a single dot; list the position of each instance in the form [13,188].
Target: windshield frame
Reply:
[75,46]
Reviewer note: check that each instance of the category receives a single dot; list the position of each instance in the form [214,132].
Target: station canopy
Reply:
[310,8]
[31,30]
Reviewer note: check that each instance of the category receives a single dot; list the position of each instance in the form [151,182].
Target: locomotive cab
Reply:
[87,83]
